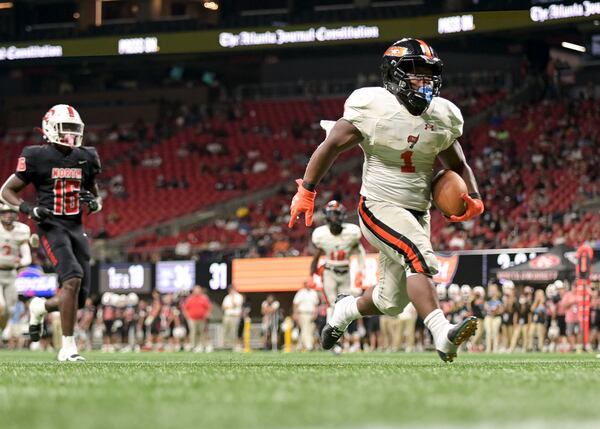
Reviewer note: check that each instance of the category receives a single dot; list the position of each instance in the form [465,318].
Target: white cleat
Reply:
[457,335]
[69,356]
[37,311]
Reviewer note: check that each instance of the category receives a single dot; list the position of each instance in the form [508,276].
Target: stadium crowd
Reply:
[533,198]
[510,319]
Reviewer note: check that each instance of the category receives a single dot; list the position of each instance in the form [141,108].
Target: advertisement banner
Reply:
[307,35]
[288,274]
[32,281]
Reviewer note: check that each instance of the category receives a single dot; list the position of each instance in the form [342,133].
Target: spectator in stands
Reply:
[595,319]
[84,325]
[373,331]
[16,326]
[538,320]
[232,312]
[508,314]
[306,302]
[269,310]
[408,321]
[522,320]
[476,308]
[196,310]
[569,303]
[493,320]
[561,310]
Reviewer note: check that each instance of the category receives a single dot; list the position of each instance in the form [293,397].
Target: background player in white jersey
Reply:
[14,254]
[338,241]
[402,128]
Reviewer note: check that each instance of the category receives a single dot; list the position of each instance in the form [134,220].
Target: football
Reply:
[447,188]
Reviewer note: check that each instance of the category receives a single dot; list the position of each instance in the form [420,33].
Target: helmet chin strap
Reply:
[415,102]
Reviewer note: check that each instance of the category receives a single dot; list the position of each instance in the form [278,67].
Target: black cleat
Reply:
[458,335]
[330,336]
[35,332]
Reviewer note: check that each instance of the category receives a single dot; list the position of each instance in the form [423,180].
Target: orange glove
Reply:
[474,208]
[303,202]
[358,280]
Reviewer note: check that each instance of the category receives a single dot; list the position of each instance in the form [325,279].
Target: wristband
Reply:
[475,195]
[308,186]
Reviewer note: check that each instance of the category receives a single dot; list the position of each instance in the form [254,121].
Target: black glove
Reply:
[86,197]
[35,213]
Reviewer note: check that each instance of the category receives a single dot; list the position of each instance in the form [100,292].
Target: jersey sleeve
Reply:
[26,165]
[456,123]
[358,111]
[94,167]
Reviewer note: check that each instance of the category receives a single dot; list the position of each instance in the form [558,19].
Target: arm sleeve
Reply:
[358,111]
[26,168]
[25,253]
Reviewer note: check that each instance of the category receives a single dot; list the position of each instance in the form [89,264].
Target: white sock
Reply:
[438,325]
[68,343]
[344,312]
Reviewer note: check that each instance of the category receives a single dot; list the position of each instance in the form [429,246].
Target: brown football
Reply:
[446,189]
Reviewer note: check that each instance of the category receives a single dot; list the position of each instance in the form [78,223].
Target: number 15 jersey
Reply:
[58,178]
[400,149]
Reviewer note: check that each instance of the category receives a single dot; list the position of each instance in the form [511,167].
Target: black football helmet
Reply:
[335,215]
[404,60]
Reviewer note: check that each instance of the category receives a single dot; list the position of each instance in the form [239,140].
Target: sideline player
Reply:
[14,254]
[402,129]
[63,173]
[338,241]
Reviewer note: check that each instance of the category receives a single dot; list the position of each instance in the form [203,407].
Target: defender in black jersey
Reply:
[63,173]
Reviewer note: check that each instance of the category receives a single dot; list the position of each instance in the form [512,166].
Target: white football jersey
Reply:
[337,248]
[11,242]
[400,149]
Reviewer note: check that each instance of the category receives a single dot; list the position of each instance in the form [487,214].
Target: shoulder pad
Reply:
[362,97]
[32,150]
[92,155]
[317,235]
[452,115]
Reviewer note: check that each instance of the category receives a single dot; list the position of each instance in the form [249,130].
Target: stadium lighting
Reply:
[573,46]
[6,5]
[212,5]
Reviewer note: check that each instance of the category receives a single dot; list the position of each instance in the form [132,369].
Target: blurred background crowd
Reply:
[510,319]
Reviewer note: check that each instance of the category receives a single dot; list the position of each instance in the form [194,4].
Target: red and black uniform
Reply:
[58,178]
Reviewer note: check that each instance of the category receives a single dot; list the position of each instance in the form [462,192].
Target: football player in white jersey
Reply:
[338,240]
[14,253]
[402,128]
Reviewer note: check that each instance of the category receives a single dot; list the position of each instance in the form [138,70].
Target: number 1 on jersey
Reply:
[408,165]
[66,196]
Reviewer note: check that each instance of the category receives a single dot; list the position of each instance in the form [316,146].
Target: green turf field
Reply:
[264,390]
